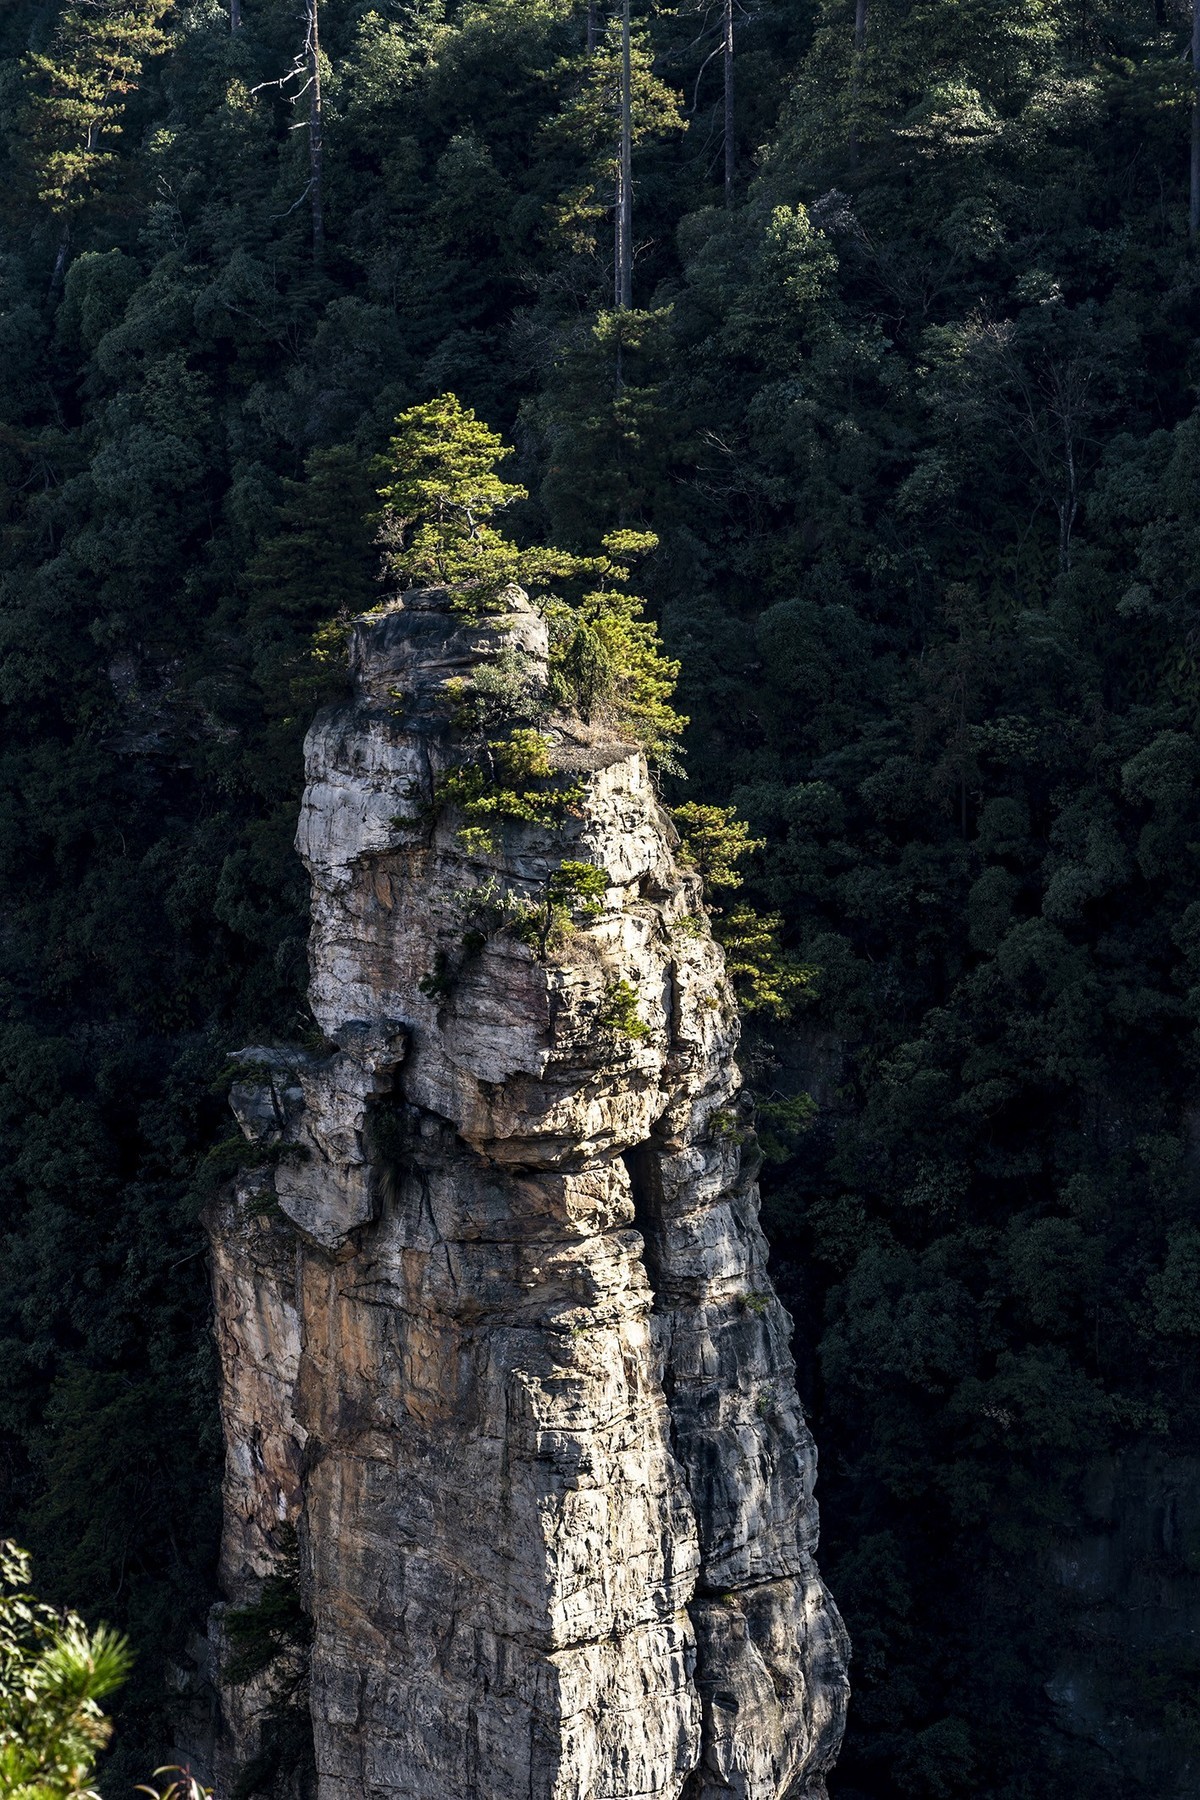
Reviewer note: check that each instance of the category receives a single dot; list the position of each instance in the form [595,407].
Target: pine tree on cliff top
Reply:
[440,492]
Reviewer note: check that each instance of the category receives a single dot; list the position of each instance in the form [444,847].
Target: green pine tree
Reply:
[440,492]
[54,1672]
[79,89]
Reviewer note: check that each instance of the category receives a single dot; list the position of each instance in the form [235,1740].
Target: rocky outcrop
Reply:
[495,1322]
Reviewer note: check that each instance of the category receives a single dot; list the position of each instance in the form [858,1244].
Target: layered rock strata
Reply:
[495,1322]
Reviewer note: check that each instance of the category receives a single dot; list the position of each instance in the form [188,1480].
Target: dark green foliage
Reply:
[913,425]
[781,1119]
[274,1627]
[270,1639]
[935,635]
[79,89]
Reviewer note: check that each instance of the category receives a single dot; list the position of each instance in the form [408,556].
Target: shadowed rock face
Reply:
[495,1323]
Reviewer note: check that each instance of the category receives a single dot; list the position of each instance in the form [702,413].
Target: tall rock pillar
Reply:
[495,1322]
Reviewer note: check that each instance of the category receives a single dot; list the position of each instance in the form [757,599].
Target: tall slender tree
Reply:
[860,47]
[77,106]
[623,259]
[729,13]
[727,57]
[306,71]
[312,56]
[1194,208]
[619,103]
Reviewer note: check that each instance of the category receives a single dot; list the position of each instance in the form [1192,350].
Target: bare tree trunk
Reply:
[591,28]
[1069,385]
[1194,207]
[235,15]
[623,271]
[60,260]
[860,45]
[729,110]
[313,54]
[1068,509]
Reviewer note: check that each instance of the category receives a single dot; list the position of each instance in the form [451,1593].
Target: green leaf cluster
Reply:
[713,841]
[78,88]
[543,920]
[514,784]
[619,1012]
[439,491]
[54,1672]
[766,977]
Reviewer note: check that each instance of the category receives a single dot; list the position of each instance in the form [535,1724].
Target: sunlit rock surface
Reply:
[495,1323]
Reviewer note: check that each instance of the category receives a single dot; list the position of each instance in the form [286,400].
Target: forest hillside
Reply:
[898,362]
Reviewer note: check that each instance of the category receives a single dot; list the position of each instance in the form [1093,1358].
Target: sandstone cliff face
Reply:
[495,1324]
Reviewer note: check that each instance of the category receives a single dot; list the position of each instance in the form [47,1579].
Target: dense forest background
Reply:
[909,399]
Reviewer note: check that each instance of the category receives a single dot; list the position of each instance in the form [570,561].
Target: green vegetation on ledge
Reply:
[439,491]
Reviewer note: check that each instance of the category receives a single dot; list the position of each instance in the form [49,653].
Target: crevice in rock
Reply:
[645,1184]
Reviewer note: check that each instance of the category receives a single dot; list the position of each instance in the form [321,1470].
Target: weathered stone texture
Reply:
[520,1375]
